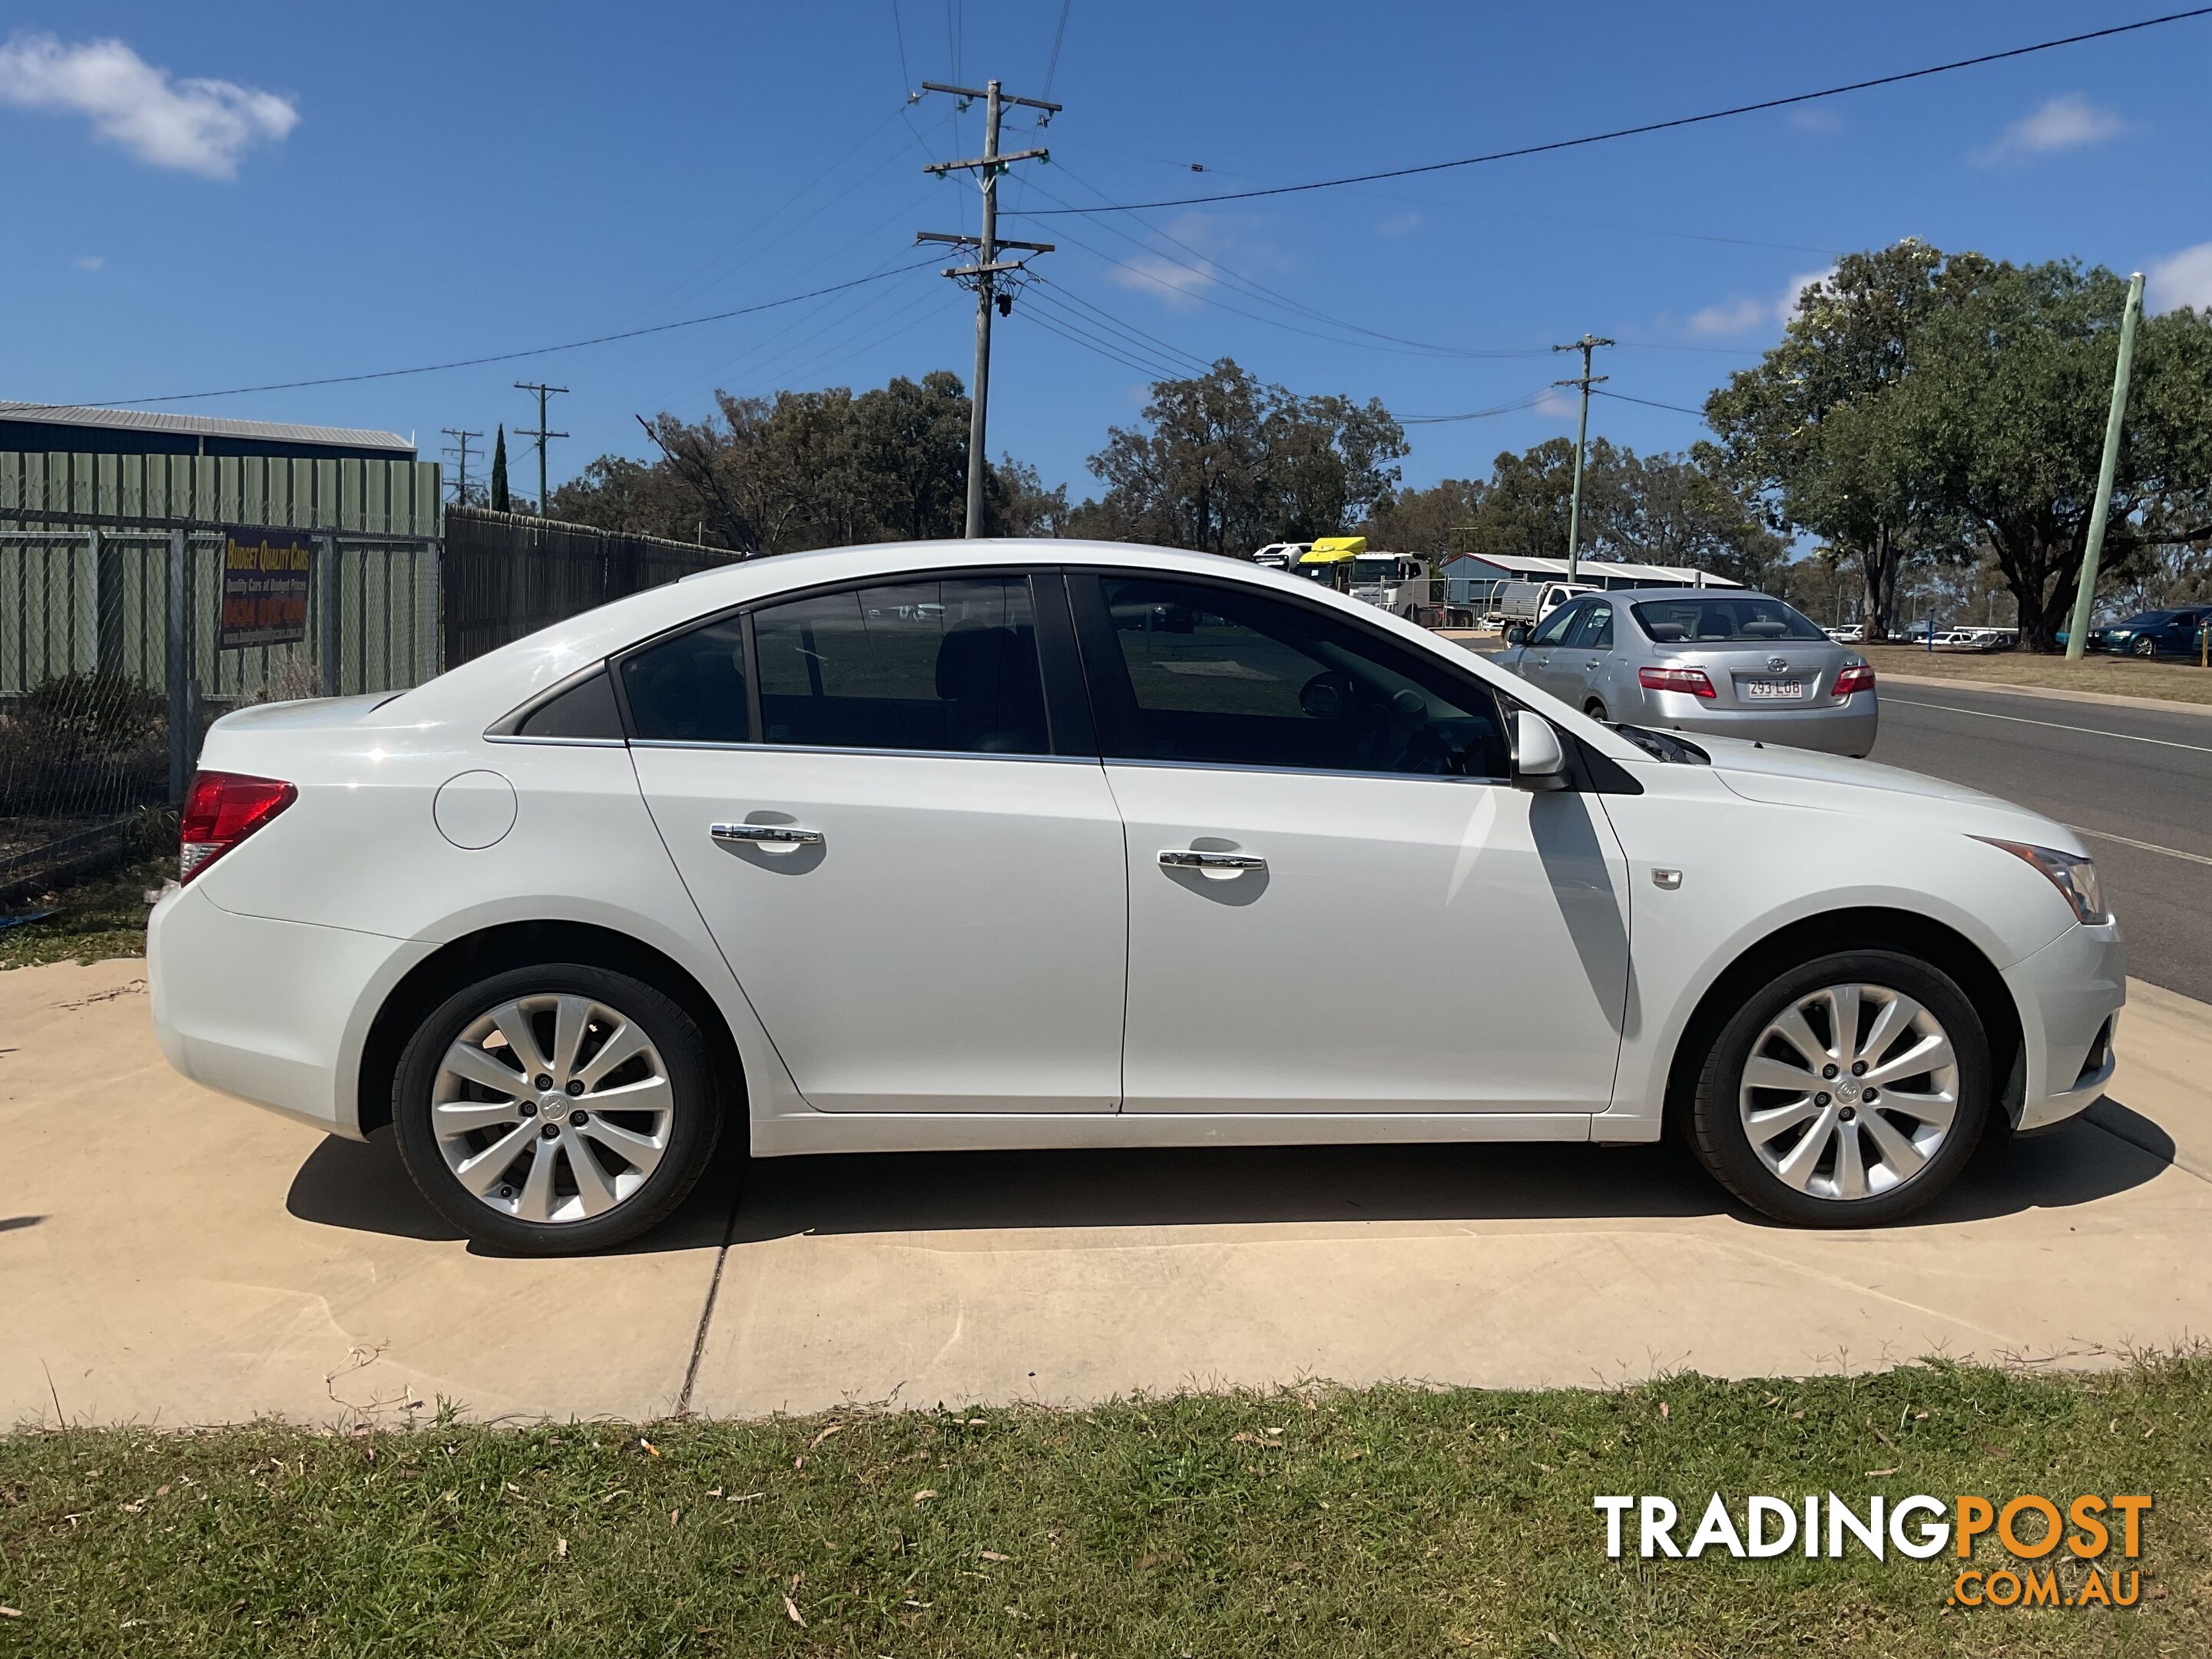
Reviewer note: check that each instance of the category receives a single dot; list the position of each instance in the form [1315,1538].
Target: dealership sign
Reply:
[2097,1532]
[264,587]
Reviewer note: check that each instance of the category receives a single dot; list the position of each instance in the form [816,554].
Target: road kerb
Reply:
[2055,694]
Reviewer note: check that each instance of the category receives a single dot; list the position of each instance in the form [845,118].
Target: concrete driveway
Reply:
[170,1256]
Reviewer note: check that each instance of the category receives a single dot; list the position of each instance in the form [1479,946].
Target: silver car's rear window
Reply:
[1747,619]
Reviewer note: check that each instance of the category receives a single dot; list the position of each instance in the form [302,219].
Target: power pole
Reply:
[461,439]
[1587,344]
[2085,596]
[985,272]
[541,434]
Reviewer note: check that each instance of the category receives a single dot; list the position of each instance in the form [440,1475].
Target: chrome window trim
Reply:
[1302,771]
[831,748]
[558,743]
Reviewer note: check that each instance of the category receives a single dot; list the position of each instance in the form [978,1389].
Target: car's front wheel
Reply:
[2146,647]
[557,1109]
[1846,1091]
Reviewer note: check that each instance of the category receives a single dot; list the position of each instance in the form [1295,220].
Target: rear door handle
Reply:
[1231,863]
[780,836]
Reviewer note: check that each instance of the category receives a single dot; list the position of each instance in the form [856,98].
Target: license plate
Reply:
[1775,690]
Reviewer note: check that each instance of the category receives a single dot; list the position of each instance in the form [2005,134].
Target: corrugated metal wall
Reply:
[392,498]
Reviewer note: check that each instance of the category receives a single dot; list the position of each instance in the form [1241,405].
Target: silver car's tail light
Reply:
[1857,677]
[222,811]
[1691,680]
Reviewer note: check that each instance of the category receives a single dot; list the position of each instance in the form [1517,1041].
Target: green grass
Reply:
[1387,1522]
[104,916]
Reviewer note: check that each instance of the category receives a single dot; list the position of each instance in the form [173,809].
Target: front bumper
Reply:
[272,1012]
[2069,995]
[1844,728]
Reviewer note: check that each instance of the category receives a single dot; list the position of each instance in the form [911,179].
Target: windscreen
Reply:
[1702,619]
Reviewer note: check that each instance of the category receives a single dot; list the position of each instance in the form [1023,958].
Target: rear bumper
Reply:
[2069,995]
[272,1012]
[1846,728]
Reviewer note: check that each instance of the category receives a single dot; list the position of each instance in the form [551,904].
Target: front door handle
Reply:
[782,836]
[1595,662]
[1219,864]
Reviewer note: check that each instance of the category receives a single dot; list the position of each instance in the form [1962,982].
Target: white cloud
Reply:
[2181,279]
[193,125]
[1734,317]
[2068,121]
[1741,316]
[1559,403]
[89,262]
[1793,291]
[1815,117]
[1399,224]
[1175,283]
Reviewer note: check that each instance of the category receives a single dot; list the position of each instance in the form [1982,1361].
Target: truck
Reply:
[1531,602]
[1400,583]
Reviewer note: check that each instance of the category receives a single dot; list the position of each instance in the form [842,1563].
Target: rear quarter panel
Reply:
[360,849]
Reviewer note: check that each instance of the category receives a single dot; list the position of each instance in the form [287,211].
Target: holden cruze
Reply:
[1062,844]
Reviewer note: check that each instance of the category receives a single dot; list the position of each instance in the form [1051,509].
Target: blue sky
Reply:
[242,193]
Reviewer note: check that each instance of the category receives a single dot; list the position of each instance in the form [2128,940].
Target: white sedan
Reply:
[1064,844]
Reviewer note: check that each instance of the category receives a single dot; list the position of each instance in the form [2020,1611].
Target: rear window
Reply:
[1750,619]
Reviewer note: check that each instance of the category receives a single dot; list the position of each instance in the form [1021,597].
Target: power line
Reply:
[1148,370]
[1167,368]
[1210,269]
[508,356]
[1112,321]
[1649,126]
[1680,409]
[906,77]
[1052,64]
[1261,291]
[1528,401]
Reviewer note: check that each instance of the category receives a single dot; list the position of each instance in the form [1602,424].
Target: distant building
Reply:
[62,428]
[1473,580]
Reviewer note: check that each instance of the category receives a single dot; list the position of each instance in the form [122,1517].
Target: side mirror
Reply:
[1539,762]
[1516,633]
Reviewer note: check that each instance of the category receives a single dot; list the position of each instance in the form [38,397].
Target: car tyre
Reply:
[577,1151]
[1825,1156]
[2146,647]
[1595,710]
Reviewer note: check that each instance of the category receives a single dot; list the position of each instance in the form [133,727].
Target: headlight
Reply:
[2075,878]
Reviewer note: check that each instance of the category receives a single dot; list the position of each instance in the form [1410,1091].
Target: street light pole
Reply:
[2084,593]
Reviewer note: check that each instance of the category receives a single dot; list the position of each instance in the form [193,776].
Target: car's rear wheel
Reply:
[1846,1091]
[556,1109]
[1595,710]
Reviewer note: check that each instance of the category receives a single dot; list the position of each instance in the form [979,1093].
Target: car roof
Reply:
[507,677]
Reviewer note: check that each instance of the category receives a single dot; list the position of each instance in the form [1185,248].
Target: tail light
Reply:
[1691,680]
[222,811]
[1857,677]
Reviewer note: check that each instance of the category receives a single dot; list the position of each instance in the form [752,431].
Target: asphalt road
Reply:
[2137,784]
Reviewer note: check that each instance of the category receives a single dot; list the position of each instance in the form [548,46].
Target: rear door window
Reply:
[948,666]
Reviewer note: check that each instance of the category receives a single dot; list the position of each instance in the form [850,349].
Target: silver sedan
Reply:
[1732,665]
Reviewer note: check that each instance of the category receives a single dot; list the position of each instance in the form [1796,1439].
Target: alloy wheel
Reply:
[1850,1091]
[554,1108]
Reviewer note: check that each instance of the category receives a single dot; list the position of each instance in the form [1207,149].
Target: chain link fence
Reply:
[112,665]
